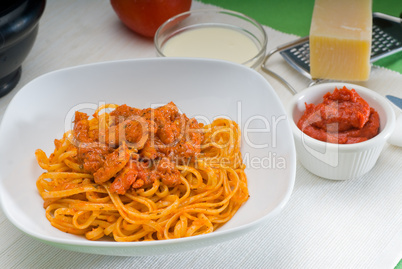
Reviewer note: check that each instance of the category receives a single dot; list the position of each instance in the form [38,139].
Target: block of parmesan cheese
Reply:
[340,39]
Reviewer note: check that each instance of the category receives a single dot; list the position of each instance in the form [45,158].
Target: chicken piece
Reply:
[145,177]
[124,179]
[151,149]
[92,157]
[190,145]
[121,113]
[169,132]
[114,162]
[135,174]
[133,132]
[136,131]
[138,174]
[168,173]
[169,111]
[81,127]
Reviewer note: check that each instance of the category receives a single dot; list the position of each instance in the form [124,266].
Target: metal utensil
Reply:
[396,137]
[386,40]
[395,100]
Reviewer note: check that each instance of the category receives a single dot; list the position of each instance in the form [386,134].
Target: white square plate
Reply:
[43,109]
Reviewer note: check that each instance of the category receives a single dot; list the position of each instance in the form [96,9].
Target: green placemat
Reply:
[399,265]
[294,17]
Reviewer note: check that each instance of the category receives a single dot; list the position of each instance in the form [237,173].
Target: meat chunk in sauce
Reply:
[114,162]
[139,174]
[160,138]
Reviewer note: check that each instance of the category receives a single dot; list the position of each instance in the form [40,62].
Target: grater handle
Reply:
[278,49]
[275,75]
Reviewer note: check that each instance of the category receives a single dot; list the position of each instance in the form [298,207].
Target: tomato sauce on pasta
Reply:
[143,174]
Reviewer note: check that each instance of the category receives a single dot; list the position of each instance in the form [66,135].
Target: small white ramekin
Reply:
[339,161]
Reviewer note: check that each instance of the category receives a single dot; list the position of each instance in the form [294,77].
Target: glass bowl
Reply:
[216,34]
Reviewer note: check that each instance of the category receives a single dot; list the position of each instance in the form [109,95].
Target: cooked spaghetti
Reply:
[143,174]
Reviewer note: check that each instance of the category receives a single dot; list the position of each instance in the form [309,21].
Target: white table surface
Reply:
[326,224]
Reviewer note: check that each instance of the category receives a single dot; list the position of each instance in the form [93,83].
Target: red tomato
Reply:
[145,16]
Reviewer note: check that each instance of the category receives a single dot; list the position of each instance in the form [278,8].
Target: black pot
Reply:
[18,30]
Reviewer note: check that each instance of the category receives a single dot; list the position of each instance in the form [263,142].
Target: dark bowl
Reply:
[18,30]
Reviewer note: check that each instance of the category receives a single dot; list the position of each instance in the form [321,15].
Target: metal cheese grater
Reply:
[386,40]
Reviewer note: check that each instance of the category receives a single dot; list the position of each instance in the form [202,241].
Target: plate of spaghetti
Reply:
[145,157]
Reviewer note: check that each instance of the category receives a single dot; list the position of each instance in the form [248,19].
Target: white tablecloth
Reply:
[326,224]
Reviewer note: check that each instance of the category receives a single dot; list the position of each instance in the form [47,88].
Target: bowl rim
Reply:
[12,5]
[380,138]
[261,51]
[27,11]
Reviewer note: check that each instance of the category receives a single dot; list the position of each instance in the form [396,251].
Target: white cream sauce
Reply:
[212,42]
